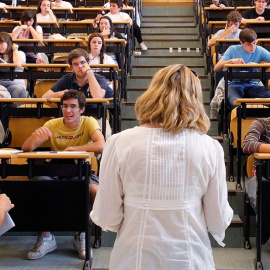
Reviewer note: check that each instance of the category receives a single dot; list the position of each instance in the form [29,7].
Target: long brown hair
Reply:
[5,37]
[103,48]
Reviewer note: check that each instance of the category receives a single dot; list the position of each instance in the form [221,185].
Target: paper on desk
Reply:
[63,152]
[7,225]
[10,151]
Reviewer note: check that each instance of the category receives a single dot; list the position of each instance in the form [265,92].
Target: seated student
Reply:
[257,140]
[82,79]
[96,49]
[83,135]
[245,53]
[231,30]
[259,13]
[5,206]
[216,4]
[125,5]
[117,16]
[107,30]
[29,30]
[61,4]
[44,12]
[9,53]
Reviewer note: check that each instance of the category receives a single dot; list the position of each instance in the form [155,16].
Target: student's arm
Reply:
[52,94]
[5,206]
[35,34]
[17,57]
[228,31]
[38,137]
[95,89]
[96,146]
[220,64]
[96,20]
[53,18]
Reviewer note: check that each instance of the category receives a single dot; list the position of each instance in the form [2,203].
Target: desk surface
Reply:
[28,41]
[10,22]
[218,9]
[55,24]
[227,40]
[262,155]
[263,65]
[89,21]
[105,101]
[239,101]
[55,155]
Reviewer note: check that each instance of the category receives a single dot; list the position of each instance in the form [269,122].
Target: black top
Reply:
[208,3]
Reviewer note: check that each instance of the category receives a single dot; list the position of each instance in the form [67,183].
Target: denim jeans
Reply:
[245,90]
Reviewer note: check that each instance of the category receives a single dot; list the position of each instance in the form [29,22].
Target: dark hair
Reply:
[74,94]
[5,37]
[27,15]
[77,53]
[113,31]
[39,4]
[118,2]
[103,48]
[126,2]
[234,17]
[247,35]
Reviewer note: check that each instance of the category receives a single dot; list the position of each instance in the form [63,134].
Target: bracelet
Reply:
[88,69]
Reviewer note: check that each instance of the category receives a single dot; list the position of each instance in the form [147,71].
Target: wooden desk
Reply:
[49,24]
[64,204]
[242,9]
[85,26]
[8,25]
[15,12]
[29,45]
[260,27]
[263,216]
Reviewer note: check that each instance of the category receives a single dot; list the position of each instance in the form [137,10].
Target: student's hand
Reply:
[106,32]
[26,31]
[221,6]
[42,133]
[98,18]
[213,6]
[260,19]
[85,67]
[71,148]
[5,203]
[237,61]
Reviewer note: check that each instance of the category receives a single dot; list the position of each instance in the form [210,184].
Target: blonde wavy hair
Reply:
[173,101]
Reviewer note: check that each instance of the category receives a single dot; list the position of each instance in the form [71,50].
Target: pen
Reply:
[53,152]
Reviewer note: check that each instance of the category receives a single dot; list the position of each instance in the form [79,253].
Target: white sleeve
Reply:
[4,92]
[22,55]
[108,209]
[15,29]
[39,29]
[108,60]
[218,213]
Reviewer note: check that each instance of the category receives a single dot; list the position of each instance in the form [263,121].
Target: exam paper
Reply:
[7,225]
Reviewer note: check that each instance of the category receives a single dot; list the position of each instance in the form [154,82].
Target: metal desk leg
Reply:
[259,265]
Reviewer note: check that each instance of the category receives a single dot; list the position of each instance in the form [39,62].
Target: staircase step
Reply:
[168,60]
[173,24]
[151,70]
[167,51]
[173,30]
[172,43]
[180,37]
[167,11]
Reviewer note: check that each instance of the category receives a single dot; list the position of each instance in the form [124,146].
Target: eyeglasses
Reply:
[77,64]
[72,106]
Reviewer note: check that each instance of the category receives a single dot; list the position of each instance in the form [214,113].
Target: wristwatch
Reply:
[15,47]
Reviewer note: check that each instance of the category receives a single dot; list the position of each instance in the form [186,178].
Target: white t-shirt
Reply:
[41,18]
[96,60]
[121,16]
[64,4]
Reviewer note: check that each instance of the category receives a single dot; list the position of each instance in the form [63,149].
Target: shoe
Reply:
[135,53]
[41,248]
[79,246]
[143,46]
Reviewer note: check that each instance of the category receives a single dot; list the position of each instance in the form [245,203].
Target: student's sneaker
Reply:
[41,248]
[143,46]
[79,245]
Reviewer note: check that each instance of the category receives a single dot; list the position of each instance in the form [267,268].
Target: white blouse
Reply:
[162,193]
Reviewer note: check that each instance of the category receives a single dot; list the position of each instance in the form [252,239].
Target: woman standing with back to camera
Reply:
[163,184]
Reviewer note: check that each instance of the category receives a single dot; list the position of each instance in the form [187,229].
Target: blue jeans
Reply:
[245,90]
[17,91]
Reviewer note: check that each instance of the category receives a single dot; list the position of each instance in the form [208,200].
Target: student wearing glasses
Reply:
[72,132]
[82,79]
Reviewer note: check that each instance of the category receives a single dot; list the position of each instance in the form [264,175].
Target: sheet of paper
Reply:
[64,152]
[10,151]
[7,225]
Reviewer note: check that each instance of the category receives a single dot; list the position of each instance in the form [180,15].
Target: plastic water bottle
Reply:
[14,3]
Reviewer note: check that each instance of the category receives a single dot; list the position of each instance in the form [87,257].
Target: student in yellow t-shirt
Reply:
[72,132]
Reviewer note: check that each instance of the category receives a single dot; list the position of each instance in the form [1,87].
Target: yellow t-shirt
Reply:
[64,137]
